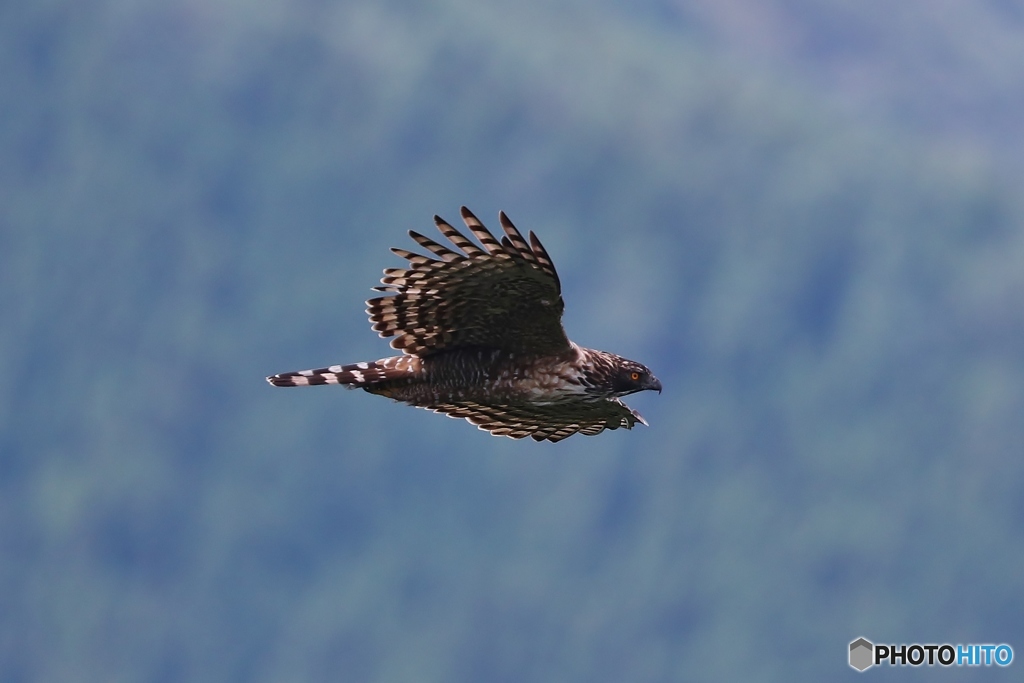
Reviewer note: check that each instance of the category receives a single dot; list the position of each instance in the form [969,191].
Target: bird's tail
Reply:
[364,375]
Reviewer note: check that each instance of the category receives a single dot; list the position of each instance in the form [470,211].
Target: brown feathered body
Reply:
[482,338]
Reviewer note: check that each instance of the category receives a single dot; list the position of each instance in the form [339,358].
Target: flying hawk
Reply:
[481,331]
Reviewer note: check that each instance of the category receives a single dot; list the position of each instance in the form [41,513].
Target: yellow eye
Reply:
[634,376]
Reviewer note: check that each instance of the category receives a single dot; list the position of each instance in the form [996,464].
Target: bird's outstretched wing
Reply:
[553,422]
[503,294]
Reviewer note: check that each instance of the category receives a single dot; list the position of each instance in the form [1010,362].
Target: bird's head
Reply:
[631,377]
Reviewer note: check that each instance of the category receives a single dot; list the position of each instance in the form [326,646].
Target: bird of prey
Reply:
[480,329]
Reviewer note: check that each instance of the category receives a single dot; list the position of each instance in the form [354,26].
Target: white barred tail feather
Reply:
[355,375]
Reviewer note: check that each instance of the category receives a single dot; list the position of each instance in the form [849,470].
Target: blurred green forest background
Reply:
[805,217]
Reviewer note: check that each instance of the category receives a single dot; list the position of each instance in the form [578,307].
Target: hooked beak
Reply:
[654,384]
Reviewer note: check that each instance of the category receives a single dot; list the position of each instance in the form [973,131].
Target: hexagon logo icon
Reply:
[862,654]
